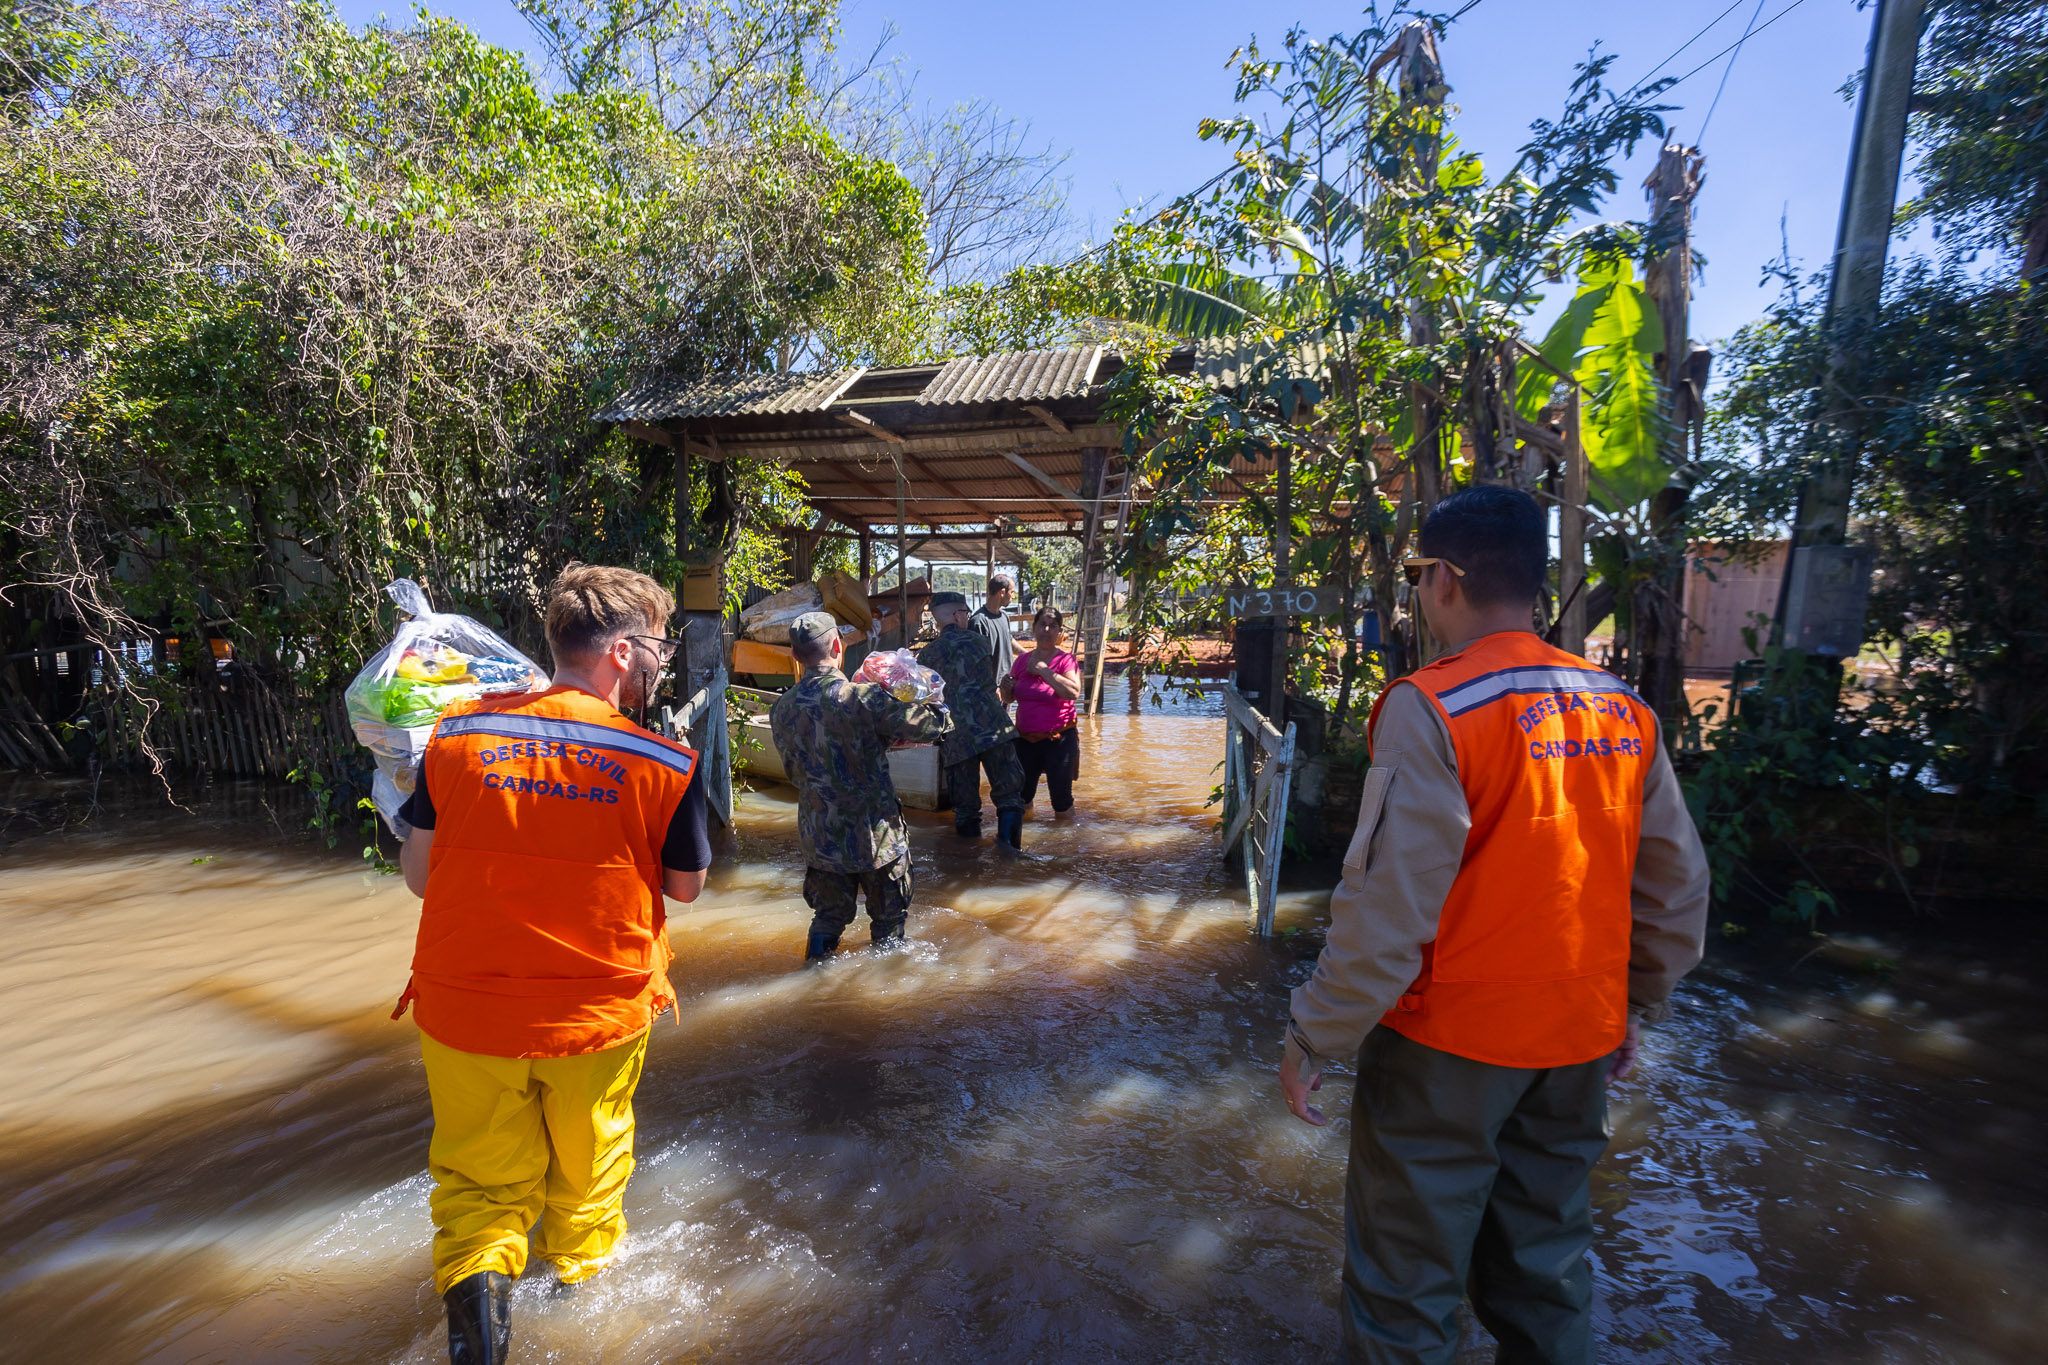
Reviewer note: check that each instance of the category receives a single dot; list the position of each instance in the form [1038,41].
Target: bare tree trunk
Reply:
[1658,612]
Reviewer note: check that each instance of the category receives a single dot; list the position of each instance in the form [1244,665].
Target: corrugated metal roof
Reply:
[661,397]
[1015,376]
[1029,376]
[1230,362]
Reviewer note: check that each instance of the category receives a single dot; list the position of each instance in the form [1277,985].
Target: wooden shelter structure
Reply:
[960,459]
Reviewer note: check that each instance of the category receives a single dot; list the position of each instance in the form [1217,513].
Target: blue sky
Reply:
[1121,86]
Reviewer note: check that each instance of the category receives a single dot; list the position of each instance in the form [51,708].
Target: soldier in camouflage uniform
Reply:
[833,735]
[982,735]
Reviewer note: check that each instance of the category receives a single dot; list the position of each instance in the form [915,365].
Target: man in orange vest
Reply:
[548,829]
[1525,887]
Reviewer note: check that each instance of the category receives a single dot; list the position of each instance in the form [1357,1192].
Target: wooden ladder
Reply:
[1109,514]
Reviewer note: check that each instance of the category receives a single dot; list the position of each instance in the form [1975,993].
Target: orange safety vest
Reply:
[1530,963]
[543,931]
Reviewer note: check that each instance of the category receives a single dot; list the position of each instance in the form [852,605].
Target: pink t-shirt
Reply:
[1039,708]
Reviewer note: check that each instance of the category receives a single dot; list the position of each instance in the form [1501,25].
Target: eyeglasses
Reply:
[661,646]
[1414,567]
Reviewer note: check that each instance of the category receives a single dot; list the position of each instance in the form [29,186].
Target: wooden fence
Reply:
[220,716]
[1258,776]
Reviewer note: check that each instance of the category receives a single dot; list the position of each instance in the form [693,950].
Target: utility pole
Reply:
[1827,583]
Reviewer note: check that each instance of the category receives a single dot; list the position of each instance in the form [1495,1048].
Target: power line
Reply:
[1739,42]
[1735,57]
[1711,23]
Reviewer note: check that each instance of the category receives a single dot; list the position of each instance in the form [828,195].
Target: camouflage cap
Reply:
[812,627]
[941,600]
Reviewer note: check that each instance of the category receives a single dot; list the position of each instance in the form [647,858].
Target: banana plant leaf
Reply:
[1607,340]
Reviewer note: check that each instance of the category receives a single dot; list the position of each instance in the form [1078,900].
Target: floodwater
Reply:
[1049,1132]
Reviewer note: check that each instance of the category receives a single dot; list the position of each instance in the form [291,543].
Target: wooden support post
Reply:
[685,514]
[1091,609]
[1283,579]
[902,564]
[867,560]
[1571,535]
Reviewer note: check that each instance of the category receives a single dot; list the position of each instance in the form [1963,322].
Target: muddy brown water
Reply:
[1050,1132]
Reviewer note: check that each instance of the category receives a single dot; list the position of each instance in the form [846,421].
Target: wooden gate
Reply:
[701,723]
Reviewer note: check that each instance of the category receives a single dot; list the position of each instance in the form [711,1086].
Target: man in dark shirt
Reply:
[982,736]
[995,627]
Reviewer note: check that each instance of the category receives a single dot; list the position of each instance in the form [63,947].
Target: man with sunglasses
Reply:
[1524,889]
[548,828]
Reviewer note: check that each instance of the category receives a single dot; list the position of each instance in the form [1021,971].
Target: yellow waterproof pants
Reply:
[518,1138]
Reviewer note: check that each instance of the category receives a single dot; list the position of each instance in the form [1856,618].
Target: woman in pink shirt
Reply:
[1045,682]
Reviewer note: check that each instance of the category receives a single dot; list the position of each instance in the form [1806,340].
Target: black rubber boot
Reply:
[884,936]
[823,943]
[480,1320]
[972,831]
[1010,828]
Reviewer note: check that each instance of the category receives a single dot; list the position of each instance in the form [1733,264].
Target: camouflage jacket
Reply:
[960,656]
[833,735]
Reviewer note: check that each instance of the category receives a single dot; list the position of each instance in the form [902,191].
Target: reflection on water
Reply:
[1046,1132]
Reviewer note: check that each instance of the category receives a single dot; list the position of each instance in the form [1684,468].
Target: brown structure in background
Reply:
[963,457]
[1740,595]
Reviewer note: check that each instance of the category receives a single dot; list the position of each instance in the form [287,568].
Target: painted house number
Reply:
[1283,601]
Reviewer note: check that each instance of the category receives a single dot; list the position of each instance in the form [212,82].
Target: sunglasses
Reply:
[661,646]
[1414,567]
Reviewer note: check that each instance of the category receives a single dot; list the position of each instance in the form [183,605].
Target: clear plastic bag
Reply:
[434,660]
[903,676]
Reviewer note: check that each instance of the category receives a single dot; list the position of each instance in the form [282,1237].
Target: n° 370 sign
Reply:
[1319,601]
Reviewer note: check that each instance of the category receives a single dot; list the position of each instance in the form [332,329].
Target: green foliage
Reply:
[1944,407]
[297,309]
[1052,568]
[1980,119]
[42,43]
[1607,340]
[1796,774]
[1950,489]
[1354,285]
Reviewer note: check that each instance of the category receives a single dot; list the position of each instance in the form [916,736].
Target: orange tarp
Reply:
[751,656]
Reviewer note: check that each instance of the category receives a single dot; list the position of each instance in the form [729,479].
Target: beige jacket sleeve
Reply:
[1412,823]
[1668,898]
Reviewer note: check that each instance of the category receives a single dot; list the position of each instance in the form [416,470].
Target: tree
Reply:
[1980,125]
[1950,488]
[288,310]
[1355,285]
[718,71]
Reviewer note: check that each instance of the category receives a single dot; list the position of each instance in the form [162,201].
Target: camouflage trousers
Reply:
[834,896]
[1005,784]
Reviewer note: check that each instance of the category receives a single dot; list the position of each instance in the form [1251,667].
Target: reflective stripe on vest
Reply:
[542,932]
[576,732]
[1530,963]
[1506,682]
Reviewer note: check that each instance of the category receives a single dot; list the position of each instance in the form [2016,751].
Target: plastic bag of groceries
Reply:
[434,660]
[905,678]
